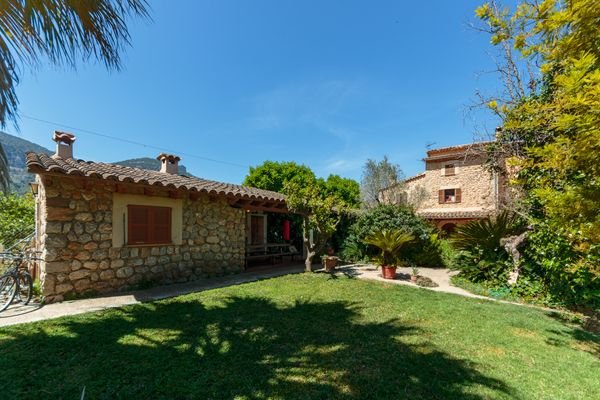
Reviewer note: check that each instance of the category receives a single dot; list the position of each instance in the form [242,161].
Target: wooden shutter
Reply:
[138,219]
[457,196]
[441,196]
[160,228]
[148,225]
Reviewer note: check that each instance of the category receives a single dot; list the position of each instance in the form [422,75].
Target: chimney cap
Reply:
[169,157]
[63,137]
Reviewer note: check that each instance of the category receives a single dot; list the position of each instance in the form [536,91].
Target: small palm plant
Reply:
[486,233]
[389,242]
[482,257]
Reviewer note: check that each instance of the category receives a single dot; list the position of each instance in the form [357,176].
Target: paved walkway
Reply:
[440,276]
[18,314]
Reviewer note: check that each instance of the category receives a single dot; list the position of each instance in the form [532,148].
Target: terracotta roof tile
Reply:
[450,214]
[42,163]
[455,149]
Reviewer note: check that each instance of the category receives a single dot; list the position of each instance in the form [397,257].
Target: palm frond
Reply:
[389,242]
[62,31]
[484,234]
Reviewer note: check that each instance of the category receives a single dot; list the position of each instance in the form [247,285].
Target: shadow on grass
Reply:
[573,330]
[243,348]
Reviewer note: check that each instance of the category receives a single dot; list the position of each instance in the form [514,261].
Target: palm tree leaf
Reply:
[62,31]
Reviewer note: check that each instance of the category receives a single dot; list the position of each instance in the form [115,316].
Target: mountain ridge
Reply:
[16,147]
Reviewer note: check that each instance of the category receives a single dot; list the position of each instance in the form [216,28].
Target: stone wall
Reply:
[79,256]
[476,184]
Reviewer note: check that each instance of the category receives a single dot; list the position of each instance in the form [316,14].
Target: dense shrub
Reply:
[552,272]
[16,218]
[567,275]
[482,258]
[424,250]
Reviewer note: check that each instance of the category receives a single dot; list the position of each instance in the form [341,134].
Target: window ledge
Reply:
[151,245]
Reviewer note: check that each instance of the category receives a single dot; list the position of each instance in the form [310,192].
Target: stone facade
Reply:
[76,227]
[461,168]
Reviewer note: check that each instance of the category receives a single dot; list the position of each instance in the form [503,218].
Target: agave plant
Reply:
[389,243]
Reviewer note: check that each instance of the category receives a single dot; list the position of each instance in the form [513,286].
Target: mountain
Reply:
[16,147]
[149,163]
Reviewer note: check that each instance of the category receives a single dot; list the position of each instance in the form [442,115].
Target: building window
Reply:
[449,196]
[449,170]
[148,225]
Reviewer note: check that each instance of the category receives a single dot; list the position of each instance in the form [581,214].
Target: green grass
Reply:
[307,336]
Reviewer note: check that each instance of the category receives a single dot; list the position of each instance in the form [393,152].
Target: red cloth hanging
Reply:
[285,227]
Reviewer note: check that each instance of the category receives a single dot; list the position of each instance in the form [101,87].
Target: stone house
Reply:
[104,227]
[454,188]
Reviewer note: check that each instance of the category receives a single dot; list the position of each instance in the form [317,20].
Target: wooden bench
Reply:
[270,252]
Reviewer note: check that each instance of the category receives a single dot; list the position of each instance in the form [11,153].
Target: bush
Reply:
[481,257]
[16,218]
[425,250]
[569,277]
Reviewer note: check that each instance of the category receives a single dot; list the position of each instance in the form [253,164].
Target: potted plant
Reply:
[389,242]
[329,262]
[414,273]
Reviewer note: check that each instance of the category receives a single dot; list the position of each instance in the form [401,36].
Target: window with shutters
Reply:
[449,170]
[148,225]
[448,196]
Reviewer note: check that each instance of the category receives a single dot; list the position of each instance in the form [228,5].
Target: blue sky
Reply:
[325,83]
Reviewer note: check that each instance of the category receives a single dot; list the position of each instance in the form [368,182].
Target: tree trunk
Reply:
[311,250]
[511,245]
[308,261]
[306,241]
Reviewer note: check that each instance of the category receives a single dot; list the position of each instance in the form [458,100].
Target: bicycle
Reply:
[16,280]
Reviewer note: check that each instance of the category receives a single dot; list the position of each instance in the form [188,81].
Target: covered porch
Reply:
[273,235]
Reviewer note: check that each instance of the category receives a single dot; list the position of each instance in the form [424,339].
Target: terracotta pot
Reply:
[388,272]
[413,278]
[330,264]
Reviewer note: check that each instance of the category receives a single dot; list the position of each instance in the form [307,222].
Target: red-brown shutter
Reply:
[457,195]
[148,225]
[160,229]
[441,197]
[138,219]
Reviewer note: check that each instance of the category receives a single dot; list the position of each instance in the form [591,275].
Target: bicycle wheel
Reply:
[25,287]
[8,289]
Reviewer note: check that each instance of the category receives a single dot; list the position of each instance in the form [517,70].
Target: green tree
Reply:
[378,175]
[320,203]
[344,188]
[273,175]
[321,213]
[62,32]
[16,218]
[551,133]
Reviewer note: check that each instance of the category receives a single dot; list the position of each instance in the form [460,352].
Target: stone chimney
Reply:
[169,163]
[64,145]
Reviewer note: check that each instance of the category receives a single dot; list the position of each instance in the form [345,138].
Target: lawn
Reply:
[306,336]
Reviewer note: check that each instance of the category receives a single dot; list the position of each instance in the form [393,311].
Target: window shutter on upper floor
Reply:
[458,196]
[441,196]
